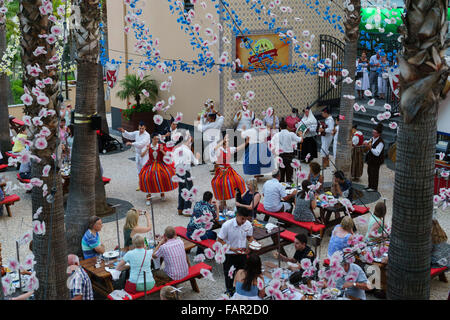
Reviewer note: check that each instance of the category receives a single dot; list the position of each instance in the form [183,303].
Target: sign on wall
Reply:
[268,52]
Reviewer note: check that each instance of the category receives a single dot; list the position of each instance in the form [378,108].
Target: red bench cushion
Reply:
[18,122]
[106,180]
[10,199]
[181,231]
[8,154]
[286,216]
[326,262]
[360,209]
[436,271]
[23,180]
[194,272]
[3,166]
[288,235]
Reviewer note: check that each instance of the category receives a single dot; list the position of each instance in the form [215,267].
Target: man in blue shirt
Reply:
[375,62]
[354,282]
[90,243]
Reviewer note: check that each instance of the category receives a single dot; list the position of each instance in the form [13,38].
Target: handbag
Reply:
[130,287]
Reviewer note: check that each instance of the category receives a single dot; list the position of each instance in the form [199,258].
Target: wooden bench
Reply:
[194,272]
[181,232]
[9,200]
[311,227]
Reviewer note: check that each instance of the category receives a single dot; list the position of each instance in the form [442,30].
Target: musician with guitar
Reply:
[326,132]
[374,157]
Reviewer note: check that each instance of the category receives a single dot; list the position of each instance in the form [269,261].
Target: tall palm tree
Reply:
[423,75]
[5,141]
[132,87]
[344,143]
[101,105]
[81,201]
[50,248]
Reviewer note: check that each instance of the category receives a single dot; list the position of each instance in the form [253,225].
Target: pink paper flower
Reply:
[247,76]
[250,95]
[198,233]
[13,265]
[43,100]
[220,258]
[368,93]
[36,182]
[231,272]
[237,96]
[277,273]
[40,143]
[209,254]
[260,283]
[27,100]
[199,258]
[39,227]
[387,106]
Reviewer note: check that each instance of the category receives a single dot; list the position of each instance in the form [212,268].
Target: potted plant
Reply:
[133,87]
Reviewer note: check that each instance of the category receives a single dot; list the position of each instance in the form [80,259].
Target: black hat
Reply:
[379,128]
[326,110]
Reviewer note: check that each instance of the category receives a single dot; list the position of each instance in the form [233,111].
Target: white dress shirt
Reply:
[183,157]
[140,142]
[376,151]
[330,125]
[205,125]
[286,141]
[273,191]
[235,235]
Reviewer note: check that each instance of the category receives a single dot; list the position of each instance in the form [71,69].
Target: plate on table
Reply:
[111,254]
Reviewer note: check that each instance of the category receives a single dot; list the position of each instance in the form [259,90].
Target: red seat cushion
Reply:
[23,180]
[106,180]
[360,209]
[3,167]
[194,272]
[18,122]
[181,231]
[8,154]
[287,217]
[10,199]
[288,235]
[436,271]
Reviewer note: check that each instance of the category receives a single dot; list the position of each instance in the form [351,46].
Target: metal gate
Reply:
[328,95]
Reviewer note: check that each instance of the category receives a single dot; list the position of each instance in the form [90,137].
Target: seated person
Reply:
[440,254]
[90,243]
[19,145]
[275,197]
[314,175]
[80,283]
[376,222]
[140,261]
[246,280]
[171,249]
[250,199]
[131,228]
[353,289]
[207,204]
[25,169]
[304,209]
[302,251]
[2,197]
[169,293]
[342,187]
[340,235]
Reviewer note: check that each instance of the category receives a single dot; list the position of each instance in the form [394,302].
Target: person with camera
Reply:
[131,227]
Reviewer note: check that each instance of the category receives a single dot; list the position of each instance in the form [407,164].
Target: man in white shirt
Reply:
[183,158]
[283,144]
[244,119]
[235,233]
[375,62]
[141,139]
[275,196]
[375,157]
[326,137]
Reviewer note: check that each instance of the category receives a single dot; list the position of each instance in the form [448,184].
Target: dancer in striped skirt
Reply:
[226,180]
[156,175]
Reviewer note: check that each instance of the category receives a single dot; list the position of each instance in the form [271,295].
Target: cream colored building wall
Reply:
[190,90]
[299,88]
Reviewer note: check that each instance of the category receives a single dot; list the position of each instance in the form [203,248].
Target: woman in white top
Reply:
[362,74]
[308,125]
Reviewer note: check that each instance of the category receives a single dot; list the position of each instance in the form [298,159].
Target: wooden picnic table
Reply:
[102,279]
[260,233]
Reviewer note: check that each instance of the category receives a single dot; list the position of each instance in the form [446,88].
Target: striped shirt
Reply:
[88,243]
[174,257]
[80,285]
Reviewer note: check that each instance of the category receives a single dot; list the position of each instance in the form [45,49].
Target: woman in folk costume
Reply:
[308,125]
[257,159]
[156,175]
[226,180]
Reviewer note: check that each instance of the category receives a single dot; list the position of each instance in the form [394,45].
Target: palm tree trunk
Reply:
[344,143]
[421,83]
[101,105]
[49,248]
[5,141]
[81,201]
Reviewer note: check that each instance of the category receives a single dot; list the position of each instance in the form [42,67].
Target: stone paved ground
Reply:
[122,170]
